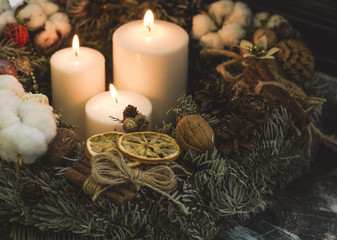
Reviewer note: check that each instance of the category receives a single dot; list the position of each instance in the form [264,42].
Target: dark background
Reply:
[316,20]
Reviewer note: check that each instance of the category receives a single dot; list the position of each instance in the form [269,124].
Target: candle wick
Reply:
[76,54]
[116,100]
[148,27]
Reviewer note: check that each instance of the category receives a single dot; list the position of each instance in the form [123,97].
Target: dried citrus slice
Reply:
[105,142]
[149,147]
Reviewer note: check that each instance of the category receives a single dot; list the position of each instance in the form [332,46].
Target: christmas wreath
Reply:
[245,125]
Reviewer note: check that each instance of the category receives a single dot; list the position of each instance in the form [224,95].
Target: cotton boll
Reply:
[9,100]
[220,10]
[260,19]
[11,83]
[39,116]
[33,16]
[241,14]
[8,118]
[48,36]
[49,8]
[8,108]
[202,24]
[211,40]
[61,22]
[6,18]
[275,20]
[24,140]
[4,6]
[231,34]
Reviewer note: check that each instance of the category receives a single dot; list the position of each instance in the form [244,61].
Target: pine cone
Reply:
[130,112]
[296,59]
[31,193]
[142,122]
[255,108]
[235,135]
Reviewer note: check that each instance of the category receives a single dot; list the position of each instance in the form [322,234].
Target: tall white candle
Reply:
[151,59]
[100,107]
[77,74]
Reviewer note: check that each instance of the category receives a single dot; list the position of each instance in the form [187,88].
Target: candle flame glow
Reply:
[148,19]
[76,45]
[113,92]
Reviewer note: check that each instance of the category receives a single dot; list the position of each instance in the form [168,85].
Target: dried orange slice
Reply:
[149,147]
[105,142]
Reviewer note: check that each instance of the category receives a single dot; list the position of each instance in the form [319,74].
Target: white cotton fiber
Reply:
[231,34]
[4,6]
[39,116]
[275,21]
[61,22]
[202,24]
[211,40]
[220,10]
[6,18]
[35,15]
[241,14]
[11,83]
[27,141]
[9,99]
[26,127]
[48,7]
[260,19]
[48,36]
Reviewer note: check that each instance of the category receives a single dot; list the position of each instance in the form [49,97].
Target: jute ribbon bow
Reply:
[110,169]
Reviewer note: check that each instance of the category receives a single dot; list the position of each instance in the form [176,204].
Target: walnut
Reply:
[195,133]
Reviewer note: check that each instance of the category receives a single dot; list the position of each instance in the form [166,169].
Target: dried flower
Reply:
[258,50]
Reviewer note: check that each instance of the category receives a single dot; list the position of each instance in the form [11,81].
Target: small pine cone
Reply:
[142,122]
[296,59]
[130,112]
[31,193]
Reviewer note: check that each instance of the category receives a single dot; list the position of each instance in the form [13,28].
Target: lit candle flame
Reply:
[113,92]
[148,19]
[76,45]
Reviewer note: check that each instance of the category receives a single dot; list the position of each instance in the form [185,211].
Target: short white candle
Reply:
[152,59]
[100,107]
[77,74]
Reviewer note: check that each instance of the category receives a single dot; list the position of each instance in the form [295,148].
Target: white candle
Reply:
[100,107]
[77,74]
[152,59]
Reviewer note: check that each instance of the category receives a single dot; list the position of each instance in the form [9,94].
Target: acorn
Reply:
[130,125]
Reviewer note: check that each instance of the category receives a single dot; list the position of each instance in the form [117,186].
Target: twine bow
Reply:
[110,169]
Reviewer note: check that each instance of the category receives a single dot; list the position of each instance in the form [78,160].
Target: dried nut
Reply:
[270,35]
[194,132]
[130,125]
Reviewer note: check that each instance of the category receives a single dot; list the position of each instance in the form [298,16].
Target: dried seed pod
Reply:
[194,132]
[270,35]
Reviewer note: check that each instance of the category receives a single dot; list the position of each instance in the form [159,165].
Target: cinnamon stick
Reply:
[78,179]
[128,192]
